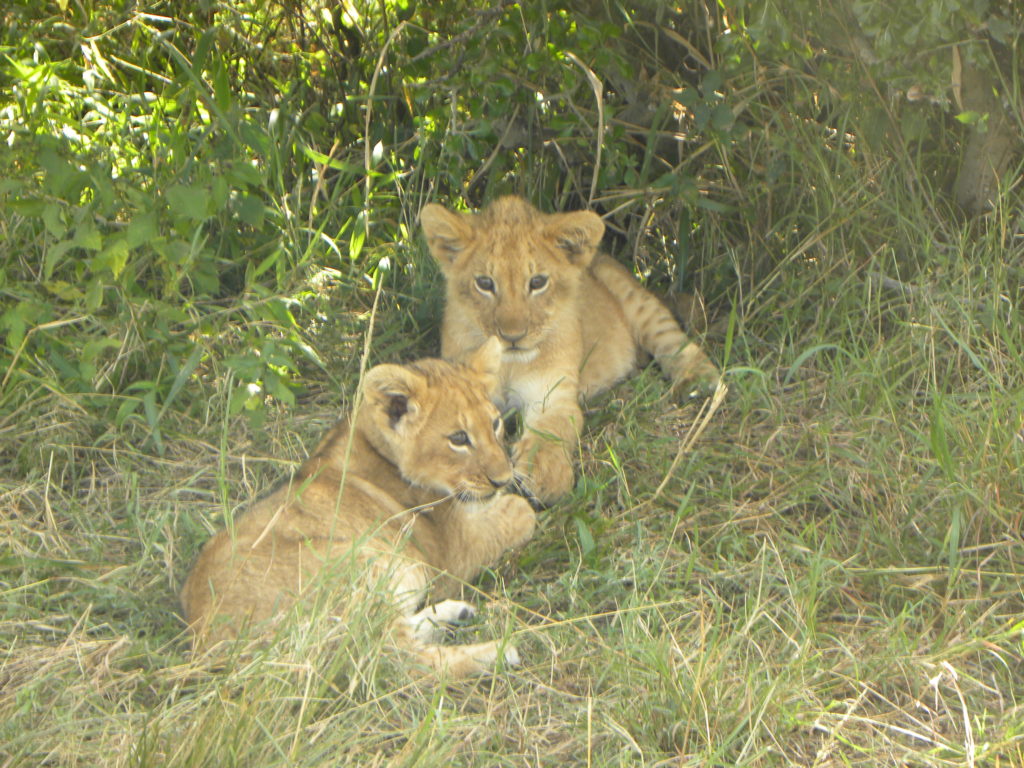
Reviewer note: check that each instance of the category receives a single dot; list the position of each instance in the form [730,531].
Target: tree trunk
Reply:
[990,144]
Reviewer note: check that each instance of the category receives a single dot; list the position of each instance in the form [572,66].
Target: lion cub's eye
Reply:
[538,282]
[497,425]
[459,439]
[485,284]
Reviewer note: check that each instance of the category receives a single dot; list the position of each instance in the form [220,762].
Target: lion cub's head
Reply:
[436,423]
[511,271]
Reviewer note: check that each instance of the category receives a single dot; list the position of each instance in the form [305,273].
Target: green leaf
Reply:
[221,87]
[712,82]
[309,352]
[94,294]
[251,210]
[14,320]
[141,229]
[203,47]
[970,117]
[29,207]
[713,205]
[91,352]
[219,193]
[330,162]
[244,175]
[272,354]
[153,420]
[689,97]
[129,405]
[61,176]
[53,218]
[248,368]
[174,251]
[586,538]
[355,243]
[189,200]
[721,117]
[806,355]
[204,275]
[52,257]
[278,387]
[88,236]
[268,262]
[184,372]
[113,257]
[63,290]
[238,399]
[1000,29]
[701,115]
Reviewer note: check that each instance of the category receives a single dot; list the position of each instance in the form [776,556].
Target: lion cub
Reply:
[572,321]
[409,484]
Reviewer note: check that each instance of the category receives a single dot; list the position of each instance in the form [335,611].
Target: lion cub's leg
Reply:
[429,627]
[657,332]
[466,660]
[477,535]
[482,533]
[544,454]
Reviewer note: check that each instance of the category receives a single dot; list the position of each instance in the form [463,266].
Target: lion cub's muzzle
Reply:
[512,336]
[481,492]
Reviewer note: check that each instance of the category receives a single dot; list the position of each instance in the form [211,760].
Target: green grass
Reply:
[831,576]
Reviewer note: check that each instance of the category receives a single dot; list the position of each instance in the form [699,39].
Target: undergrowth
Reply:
[205,214]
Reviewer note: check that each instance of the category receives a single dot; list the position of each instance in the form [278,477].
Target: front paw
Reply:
[519,519]
[545,468]
[433,623]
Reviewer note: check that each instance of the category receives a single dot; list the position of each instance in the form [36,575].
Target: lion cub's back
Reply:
[276,549]
[238,576]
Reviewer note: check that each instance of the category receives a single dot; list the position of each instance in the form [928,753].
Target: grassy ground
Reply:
[829,576]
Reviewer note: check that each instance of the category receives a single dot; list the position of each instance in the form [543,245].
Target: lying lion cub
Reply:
[414,497]
[572,321]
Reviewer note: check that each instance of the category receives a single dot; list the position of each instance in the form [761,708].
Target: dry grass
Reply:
[826,573]
[829,576]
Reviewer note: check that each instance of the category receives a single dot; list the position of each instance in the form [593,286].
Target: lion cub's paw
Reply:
[512,657]
[487,655]
[521,520]
[696,376]
[432,623]
[547,472]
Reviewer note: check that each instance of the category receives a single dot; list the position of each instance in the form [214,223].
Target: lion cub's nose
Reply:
[511,336]
[499,483]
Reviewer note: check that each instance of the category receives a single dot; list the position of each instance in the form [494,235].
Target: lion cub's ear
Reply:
[393,392]
[447,232]
[578,234]
[486,361]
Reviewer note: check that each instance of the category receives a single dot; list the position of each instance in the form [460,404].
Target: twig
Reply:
[906,290]
[598,88]
[482,18]
[707,410]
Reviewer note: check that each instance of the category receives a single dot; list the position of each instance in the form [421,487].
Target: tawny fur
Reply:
[573,322]
[416,507]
